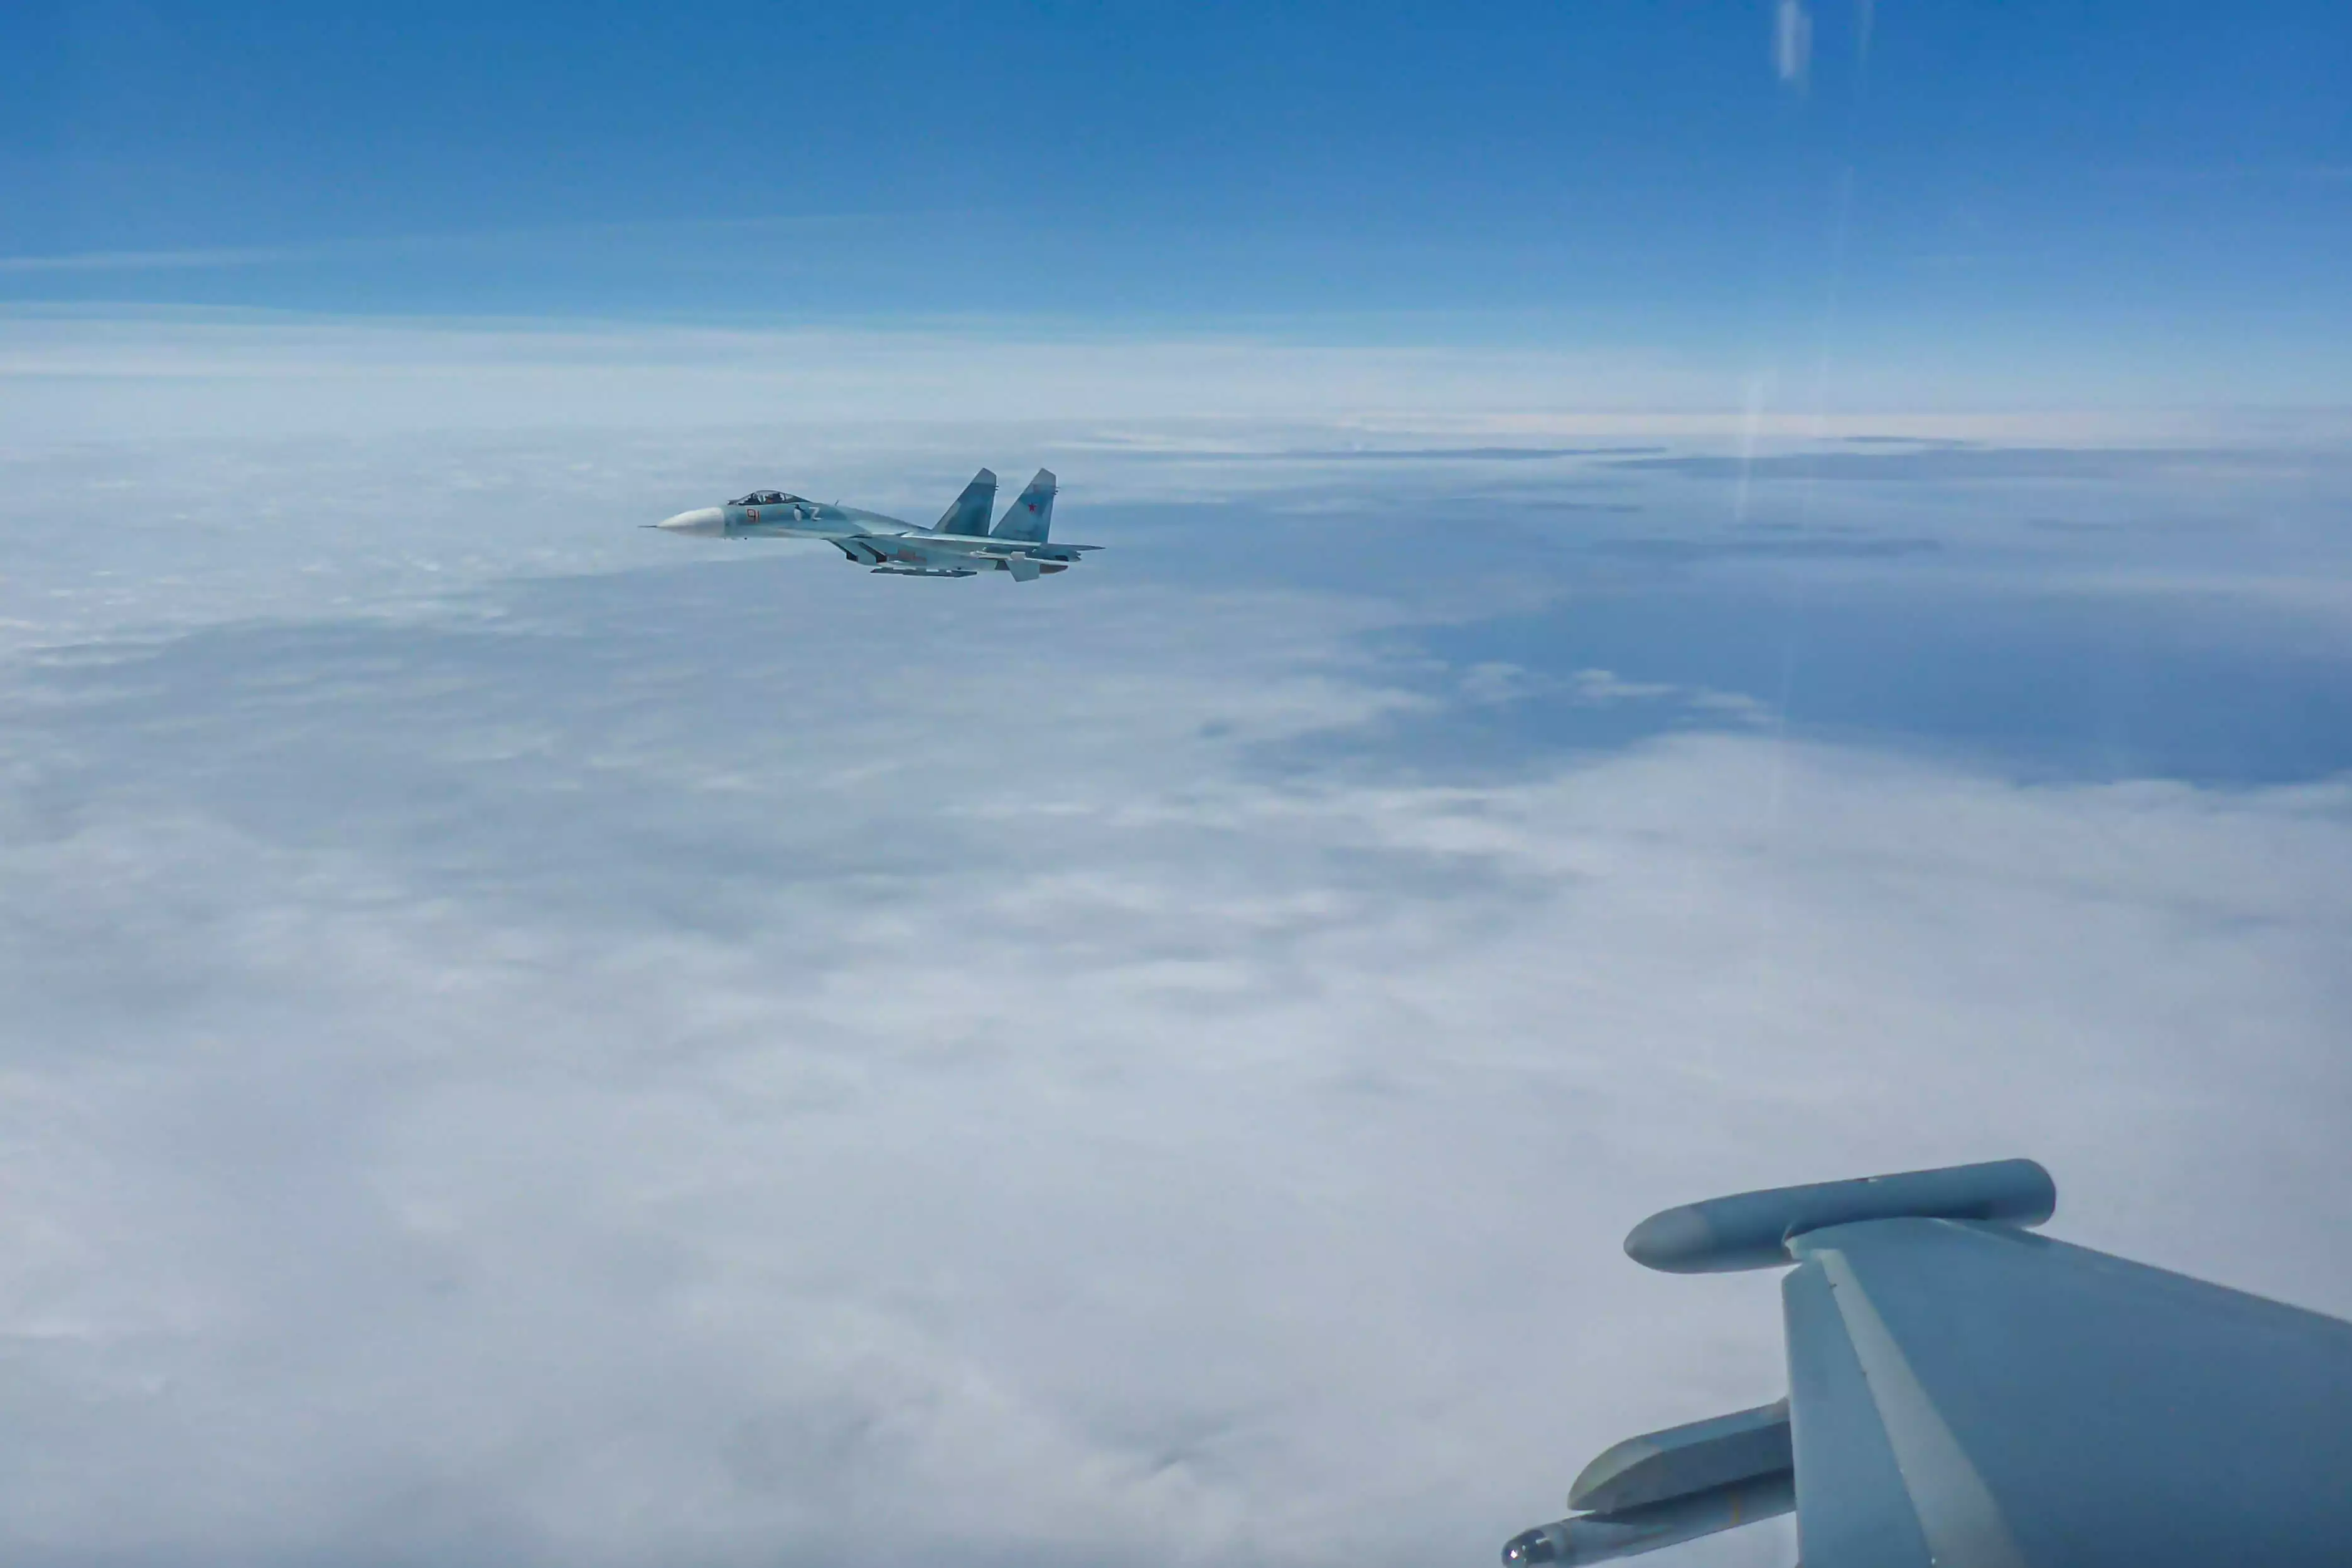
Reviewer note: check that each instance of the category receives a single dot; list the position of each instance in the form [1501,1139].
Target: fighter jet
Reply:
[960,544]
[1964,1394]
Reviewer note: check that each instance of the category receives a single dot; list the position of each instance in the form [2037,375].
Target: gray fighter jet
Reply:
[1963,1394]
[960,544]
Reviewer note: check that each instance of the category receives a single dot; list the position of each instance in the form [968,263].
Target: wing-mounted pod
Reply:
[1666,1488]
[1753,1230]
[1744,1446]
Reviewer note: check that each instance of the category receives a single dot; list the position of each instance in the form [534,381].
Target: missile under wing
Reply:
[1965,1393]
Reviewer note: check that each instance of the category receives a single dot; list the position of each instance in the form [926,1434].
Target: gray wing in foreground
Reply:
[2037,1404]
[1965,1395]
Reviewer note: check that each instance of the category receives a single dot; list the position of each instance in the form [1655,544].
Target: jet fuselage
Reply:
[786,517]
[960,544]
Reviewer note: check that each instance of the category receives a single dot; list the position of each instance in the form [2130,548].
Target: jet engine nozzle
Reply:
[1630,1531]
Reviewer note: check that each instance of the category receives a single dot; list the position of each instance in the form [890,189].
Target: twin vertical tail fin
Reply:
[1028,517]
[970,513]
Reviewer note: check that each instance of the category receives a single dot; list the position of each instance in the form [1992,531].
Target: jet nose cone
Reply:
[702,520]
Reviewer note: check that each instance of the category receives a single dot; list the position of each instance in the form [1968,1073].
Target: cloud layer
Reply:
[741,1062]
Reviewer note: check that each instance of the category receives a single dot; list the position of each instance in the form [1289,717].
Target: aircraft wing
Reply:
[1964,1394]
[994,549]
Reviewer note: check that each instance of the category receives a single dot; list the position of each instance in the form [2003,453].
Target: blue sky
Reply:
[2041,185]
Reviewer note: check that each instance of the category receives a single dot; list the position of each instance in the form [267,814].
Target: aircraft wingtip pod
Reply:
[1667,1238]
[1751,1230]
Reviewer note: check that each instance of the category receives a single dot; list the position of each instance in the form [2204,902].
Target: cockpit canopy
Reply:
[766,498]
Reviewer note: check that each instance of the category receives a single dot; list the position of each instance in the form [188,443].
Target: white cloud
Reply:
[1496,681]
[1606,689]
[1601,688]
[713,1064]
